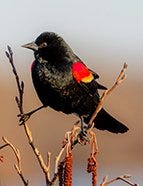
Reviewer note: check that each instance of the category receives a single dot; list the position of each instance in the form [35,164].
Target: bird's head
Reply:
[47,45]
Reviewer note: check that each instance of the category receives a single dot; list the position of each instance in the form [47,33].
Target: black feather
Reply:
[105,121]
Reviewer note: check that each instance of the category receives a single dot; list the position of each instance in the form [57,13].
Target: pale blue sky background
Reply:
[105,34]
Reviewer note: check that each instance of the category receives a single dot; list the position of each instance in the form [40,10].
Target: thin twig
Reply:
[49,164]
[20,84]
[18,158]
[118,81]
[37,153]
[123,178]
[58,159]
[94,144]
[3,146]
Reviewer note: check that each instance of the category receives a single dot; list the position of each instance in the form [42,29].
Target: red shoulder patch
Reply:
[81,73]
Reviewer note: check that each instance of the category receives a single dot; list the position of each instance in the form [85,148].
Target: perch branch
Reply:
[80,137]
[18,158]
[37,153]
[118,81]
[19,101]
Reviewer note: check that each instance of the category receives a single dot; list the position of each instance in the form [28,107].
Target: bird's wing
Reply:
[96,76]
[83,75]
[86,79]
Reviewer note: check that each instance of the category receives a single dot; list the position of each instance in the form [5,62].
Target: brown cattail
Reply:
[68,170]
[92,168]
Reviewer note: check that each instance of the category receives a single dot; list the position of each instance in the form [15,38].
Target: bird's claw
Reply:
[23,118]
[83,138]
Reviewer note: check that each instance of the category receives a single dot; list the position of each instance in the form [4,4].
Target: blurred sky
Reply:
[104,34]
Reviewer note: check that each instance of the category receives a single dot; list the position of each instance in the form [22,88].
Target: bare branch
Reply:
[20,85]
[118,81]
[49,164]
[5,145]
[37,153]
[18,158]
[123,178]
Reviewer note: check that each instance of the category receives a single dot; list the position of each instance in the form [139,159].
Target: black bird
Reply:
[63,82]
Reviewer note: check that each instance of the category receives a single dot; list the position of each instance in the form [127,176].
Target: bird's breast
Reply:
[49,76]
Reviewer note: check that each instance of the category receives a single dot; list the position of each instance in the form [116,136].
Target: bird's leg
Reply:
[25,116]
[83,138]
[82,123]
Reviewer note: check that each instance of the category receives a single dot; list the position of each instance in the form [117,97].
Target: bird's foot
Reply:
[83,134]
[82,137]
[24,117]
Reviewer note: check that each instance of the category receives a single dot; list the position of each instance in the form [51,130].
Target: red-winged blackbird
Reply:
[63,82]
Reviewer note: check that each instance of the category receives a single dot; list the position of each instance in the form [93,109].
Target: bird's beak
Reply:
[33,46]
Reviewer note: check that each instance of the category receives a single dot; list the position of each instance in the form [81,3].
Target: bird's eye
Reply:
[43,45]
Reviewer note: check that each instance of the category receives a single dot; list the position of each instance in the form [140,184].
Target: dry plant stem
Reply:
[37,153]
[49,164]
[69,137]
[94,145]
[58,159]
[19,101]
[20,84]
[1,147]
[118,81]
[18,158]
[123,178]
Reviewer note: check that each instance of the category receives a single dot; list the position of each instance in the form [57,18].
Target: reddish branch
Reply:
[68,170]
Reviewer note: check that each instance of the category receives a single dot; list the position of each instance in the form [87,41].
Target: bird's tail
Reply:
[105,121]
